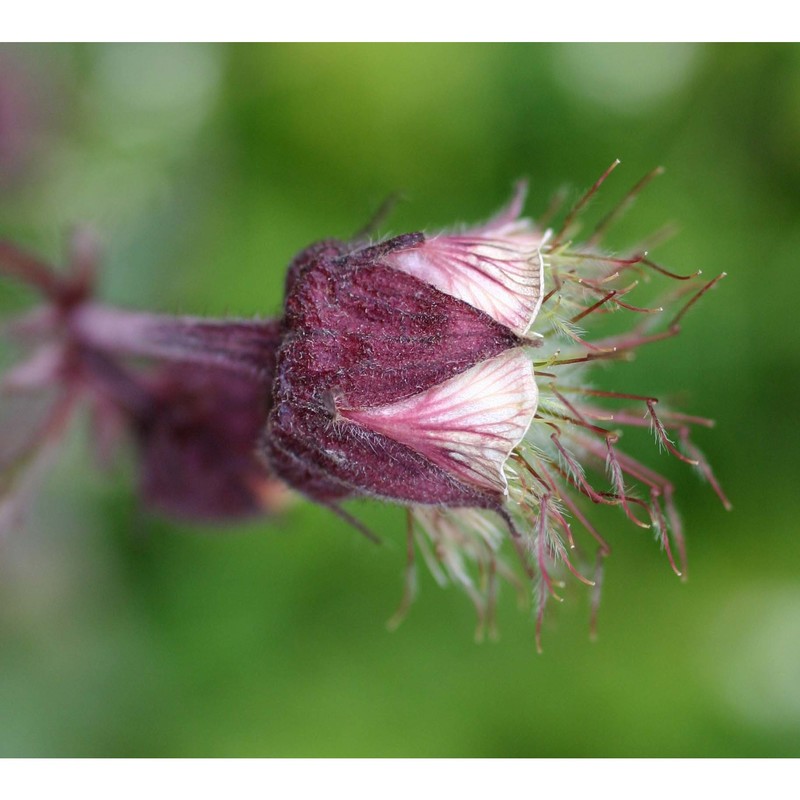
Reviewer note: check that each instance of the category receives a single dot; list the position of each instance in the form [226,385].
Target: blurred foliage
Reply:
[204,169]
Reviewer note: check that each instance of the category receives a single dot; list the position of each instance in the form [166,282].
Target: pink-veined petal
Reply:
[467,425]
[496,267]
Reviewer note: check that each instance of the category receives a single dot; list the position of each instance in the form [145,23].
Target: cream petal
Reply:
[467,425]
[499,275]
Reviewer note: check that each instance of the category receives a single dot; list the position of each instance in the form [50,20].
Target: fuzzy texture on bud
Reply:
[386,386]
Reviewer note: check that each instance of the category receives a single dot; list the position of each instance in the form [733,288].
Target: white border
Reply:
[398,779]
[410,20]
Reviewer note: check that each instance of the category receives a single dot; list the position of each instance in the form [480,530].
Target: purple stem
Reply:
[241,345]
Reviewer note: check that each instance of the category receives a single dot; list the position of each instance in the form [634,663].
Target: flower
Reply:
[389,387]
[445,373]
[408,372]
[193,409]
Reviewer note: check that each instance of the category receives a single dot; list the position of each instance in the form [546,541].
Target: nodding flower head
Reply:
[445,373]
[448,373]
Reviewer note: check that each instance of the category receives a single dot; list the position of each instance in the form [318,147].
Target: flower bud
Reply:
[388,386]
[406,373]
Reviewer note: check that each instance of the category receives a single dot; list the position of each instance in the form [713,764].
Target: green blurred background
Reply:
[204,169]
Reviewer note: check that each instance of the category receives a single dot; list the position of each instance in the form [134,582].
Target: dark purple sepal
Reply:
[372,335]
